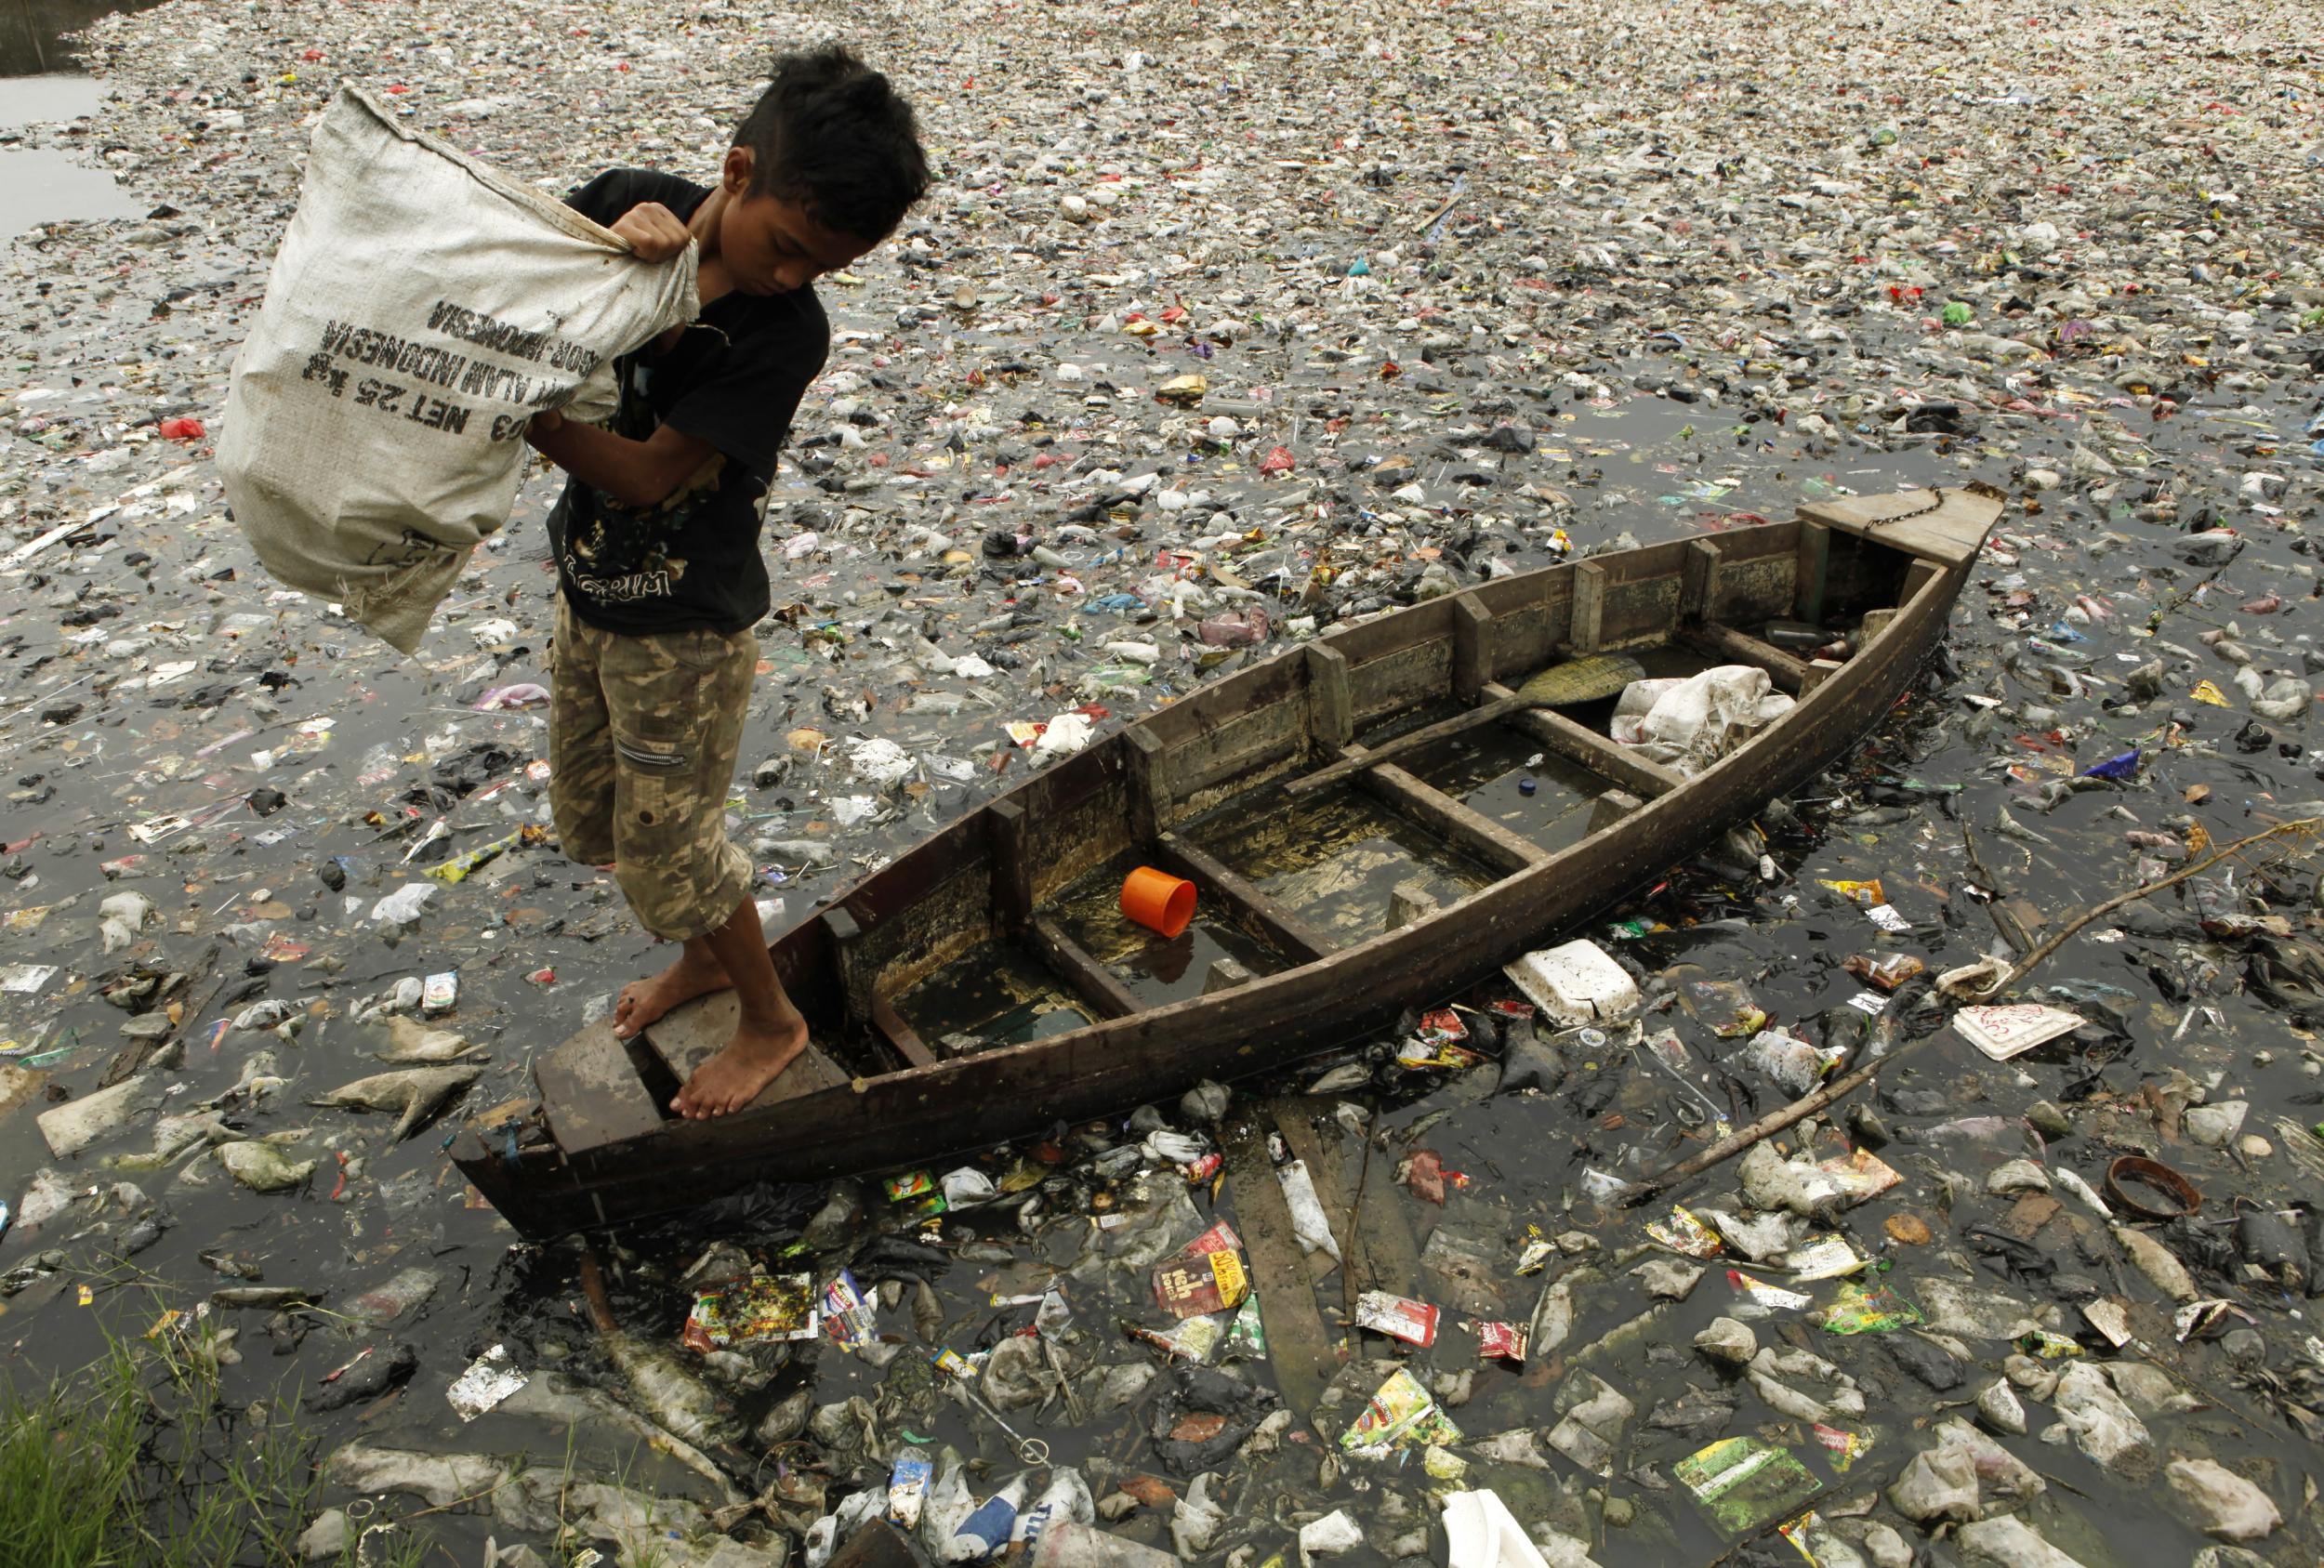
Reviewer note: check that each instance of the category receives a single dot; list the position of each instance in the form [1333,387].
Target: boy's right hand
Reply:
[653,232]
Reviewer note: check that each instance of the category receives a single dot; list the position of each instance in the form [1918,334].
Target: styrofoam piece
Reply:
[1576,983]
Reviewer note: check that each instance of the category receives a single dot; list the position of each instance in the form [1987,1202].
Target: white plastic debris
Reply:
[489,1378]
[1482,1532]
[1065,734]
[1308,1220]
[403,906]
[1329,1535]
[880,763]
[121,917]
[1575,983]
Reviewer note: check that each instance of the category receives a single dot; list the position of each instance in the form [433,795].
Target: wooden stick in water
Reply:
[1841,1087]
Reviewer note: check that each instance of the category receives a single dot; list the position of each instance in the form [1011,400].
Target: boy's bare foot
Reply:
[643,1001]
[734,1077]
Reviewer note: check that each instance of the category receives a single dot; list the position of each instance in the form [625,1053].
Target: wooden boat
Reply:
[1350,814]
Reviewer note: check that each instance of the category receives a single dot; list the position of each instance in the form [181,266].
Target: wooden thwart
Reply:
[1787,673]
[1251,908]
[901,1035]
[1089,980]
[1639,775]
[1405,745]
[1473,831]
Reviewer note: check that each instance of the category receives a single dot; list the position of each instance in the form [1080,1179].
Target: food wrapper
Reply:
[1193,1338]
[1774,1297]
[1501,1341]
[489,1378]
[1744,1484]
[848,1317]
[1867,893]
[1684,1234]
[1537,1252]
[1443,1464]
[1859,1174]
[1442,1026]
[1868,1308]
[1419,1052]
[1889,918]
[1205,1276]
[440,993]
[1399,1317]
[1247,1335]
[912,1184]
[1795,1531]
[1841,1447]
[1723,1007]
[1887,971]
[1400,1413]
[769,1307]
[907,1489]
[2044,1345]
[1827,1258]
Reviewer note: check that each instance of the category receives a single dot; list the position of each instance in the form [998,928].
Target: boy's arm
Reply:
[636,473]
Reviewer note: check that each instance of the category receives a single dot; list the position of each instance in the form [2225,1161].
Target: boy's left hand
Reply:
[653,232]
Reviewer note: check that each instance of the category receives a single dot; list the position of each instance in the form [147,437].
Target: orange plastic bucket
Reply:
[1157,900]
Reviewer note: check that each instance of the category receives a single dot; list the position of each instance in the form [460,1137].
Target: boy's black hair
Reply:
[832,135]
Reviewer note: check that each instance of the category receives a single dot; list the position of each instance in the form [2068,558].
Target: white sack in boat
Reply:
[1689,723]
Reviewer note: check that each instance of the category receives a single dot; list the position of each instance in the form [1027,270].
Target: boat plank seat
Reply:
[1087,979]
[1787,673]
[1212,878]
[1472,830]
[900,1035]
[1951,534]
[1576,742]
[686,1037]
[591,1094]
[1353,758]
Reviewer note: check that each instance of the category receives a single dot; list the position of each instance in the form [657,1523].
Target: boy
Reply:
[656,536]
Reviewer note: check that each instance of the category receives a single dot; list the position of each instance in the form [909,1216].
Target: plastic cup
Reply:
[1157,900]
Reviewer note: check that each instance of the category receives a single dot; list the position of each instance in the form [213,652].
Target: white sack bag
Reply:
[423,306]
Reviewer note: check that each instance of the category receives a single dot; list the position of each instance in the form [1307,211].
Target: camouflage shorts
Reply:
[642,737]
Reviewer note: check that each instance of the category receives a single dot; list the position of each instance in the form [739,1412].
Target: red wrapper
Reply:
[1501,1341]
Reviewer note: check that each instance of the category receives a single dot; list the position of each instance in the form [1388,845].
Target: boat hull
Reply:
[931,1112]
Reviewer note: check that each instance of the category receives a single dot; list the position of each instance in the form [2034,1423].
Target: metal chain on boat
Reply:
[1936,499]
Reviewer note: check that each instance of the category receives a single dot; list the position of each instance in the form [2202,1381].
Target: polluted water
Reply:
[1225,324]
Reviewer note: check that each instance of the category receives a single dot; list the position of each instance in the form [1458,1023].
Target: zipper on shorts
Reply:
[650,758]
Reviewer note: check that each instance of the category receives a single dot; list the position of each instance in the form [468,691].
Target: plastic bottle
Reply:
[985,1531]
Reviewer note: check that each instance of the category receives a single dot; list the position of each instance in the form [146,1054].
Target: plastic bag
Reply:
[421,309]
[1481,1532]
[1308,1221]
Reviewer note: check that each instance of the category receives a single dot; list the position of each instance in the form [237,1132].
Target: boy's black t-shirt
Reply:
[733,378]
